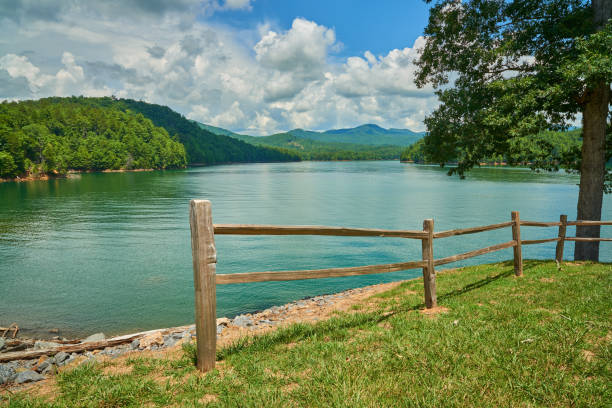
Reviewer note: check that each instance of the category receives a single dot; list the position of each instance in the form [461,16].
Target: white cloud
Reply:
[282,80]
[238,4]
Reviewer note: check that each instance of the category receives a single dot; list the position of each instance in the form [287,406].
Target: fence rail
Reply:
[204,253]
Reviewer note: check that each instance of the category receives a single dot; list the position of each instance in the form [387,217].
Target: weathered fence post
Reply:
[516,236]
[429,273]
[204,266]
[561,235]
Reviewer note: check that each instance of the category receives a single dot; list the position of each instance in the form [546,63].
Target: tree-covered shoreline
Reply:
[547,150]
[50,138]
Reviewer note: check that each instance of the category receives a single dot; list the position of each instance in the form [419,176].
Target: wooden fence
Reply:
[203,233]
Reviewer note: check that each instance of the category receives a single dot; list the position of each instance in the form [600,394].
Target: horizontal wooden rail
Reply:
[243,229]
[588,239]
[581,222]
[472,230]
[539,241]
[540,224]
[315,273]
[477,252]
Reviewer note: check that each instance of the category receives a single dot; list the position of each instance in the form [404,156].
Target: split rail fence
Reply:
[204,253]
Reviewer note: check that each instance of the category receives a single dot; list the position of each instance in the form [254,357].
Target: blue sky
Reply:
[361,25]
[251,66]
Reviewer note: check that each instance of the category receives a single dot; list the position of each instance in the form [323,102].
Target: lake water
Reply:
[111,252]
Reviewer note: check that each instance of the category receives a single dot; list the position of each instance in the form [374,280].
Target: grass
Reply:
[544,339]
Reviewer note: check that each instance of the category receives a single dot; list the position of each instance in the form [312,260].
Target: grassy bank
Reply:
[541,340]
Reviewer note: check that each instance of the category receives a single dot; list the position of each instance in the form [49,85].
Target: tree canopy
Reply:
[507,70]
[51,137]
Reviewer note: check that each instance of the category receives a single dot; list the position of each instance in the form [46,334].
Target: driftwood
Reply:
[12,326]
[73,348]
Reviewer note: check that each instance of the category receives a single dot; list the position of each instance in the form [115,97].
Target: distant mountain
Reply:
[309,149]
[368,134]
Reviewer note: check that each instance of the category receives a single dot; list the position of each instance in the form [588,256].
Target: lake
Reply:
[111,251]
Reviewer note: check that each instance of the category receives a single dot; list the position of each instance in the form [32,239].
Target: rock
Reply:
[61,357]
[28,376]
[220,329]
[7,372]
[135,344]
[169,341]
[55,330]
[50,369]
[42,365]
[265,321]
[2,343]
[178,336]
[69,360]
[151,339]
[243,321]
[94,338]
[39,345]
[223,321]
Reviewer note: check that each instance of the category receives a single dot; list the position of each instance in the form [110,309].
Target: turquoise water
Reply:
[111,252]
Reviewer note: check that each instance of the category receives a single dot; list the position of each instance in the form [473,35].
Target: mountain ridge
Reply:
[367,134]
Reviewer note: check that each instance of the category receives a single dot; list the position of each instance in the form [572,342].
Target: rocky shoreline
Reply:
[36,360]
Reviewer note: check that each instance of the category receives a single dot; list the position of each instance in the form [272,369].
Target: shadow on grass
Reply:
[301,331]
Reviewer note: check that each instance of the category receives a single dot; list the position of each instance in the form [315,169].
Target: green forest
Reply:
[52,136]
[202,146]
[546,150]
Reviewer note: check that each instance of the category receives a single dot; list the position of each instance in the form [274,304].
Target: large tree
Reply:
[507,70]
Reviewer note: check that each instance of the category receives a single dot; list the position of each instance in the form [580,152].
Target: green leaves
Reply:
[506,71]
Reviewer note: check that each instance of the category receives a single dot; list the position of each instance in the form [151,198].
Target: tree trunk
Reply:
[593,167]
[592,170]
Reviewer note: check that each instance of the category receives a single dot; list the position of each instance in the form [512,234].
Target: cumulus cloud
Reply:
[281,80]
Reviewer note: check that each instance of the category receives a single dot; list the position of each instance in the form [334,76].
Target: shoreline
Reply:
[49,335]
[41,359]
[68,174]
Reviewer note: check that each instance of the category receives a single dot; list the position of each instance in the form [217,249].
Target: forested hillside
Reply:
[545,150]
[52,136]
[202,146]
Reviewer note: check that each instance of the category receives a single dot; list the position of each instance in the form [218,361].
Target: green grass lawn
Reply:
[544,339]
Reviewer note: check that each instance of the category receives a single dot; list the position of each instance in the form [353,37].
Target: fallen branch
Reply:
[81,347]
[12,326]
[73,348]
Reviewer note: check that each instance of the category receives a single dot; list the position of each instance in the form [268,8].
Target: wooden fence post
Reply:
[204,266]
[516,236]
[429,273]
[561,235]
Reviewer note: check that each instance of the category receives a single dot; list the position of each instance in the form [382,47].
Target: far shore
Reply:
[53,176]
